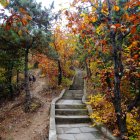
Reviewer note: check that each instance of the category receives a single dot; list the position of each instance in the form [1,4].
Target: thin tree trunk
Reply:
[121,116]
[118,69]
[17,84]
[27,91]
[87,69]
[9,80]
[17,80]
[59,73]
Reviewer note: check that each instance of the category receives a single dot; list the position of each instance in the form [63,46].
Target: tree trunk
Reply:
[121,116]
[27,91]
[118,68]
[87,69]
[17,84]
[17,80]
[9,79]
[59,73]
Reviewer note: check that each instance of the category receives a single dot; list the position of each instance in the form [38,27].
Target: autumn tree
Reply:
[109,25]
[59,55]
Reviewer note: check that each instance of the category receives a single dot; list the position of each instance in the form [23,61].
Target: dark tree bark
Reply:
[59,73]
[108,80]
[118,72]
[17,80]
[17,84]
[9,79]
[27,91]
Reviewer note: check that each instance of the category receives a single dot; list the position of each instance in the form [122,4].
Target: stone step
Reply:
[70,106]
[76,87]
[72,97]
[71,112]
[74,92]
[75,128]
[69,101]
[61,119]
[74,125]
[81,136]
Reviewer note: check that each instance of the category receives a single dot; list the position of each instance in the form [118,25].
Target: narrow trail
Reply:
[39,121]
[71,115]
[29,126]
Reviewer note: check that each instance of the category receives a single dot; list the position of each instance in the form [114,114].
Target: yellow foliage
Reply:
[133,125]
[87,41]
[105,11]
[116,8]
[103,110]
[86,19]
[132,46]
[19,32]
[94,19]
[93,9]
[100,29]
[82,15]
[134,43]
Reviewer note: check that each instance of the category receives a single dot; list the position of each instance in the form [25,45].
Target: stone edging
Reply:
[52,129]
[100,127]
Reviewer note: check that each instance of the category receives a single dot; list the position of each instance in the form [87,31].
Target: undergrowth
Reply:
[104,113]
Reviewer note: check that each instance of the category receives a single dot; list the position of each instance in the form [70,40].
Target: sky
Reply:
[58,4]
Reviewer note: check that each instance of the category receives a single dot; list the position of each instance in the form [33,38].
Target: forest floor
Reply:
[17,125]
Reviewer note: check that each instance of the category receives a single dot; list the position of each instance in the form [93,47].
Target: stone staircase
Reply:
[71,115]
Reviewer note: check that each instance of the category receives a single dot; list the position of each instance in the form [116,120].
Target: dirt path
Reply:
[18,125]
